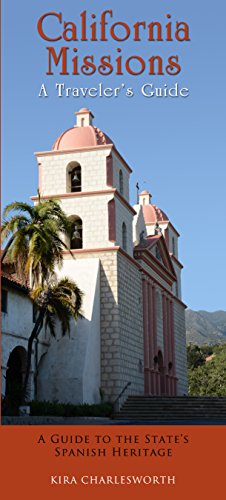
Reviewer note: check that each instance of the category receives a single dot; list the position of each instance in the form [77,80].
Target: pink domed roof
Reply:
[153,214]
[81,137]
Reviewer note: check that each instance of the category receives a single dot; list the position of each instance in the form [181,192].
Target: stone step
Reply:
[179,407]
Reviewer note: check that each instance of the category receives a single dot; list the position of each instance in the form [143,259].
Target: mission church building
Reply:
[126,263]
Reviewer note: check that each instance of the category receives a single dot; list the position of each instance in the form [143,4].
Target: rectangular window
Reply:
[4,301]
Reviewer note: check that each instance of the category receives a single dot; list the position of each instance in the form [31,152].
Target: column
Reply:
[146,340]
[154,336]
[151,339]
[165,338]
[173,348]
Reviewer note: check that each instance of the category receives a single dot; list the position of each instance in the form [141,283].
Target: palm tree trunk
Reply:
[34,334]
[4,252]
[31,278]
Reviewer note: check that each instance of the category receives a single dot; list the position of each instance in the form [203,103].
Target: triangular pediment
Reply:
[156,247]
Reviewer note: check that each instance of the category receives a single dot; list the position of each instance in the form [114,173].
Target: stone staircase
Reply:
[179,408]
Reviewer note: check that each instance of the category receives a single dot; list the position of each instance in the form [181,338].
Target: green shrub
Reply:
[46,408]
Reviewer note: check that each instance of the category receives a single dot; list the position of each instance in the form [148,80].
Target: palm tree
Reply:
[35,246]
[35,238]
[60,300]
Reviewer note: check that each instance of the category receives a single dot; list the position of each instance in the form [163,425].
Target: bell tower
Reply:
[90,178]
[87,174]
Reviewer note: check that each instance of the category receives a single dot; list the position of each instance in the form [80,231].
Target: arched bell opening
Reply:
[74,177]
[76,236]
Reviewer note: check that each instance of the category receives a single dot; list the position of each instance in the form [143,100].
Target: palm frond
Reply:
[19,206]
[50,323]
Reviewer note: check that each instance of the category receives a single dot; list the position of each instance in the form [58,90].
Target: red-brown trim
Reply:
[150,330]
[13,283]
[166,257]
[75,195]
[125,202]
[168,313]
[91,250]
[159,240]
[154,264]
[164,313]
[111,221]
[69,151]
[169,292]
[142,270]
[88,193]
[133,261]
[89,148]
[129,258]
[145,337]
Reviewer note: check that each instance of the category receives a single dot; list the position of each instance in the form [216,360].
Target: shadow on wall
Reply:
[69,372]
[113,377]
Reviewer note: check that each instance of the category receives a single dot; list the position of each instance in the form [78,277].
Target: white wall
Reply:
[70,371]
[54,170]
[93,210]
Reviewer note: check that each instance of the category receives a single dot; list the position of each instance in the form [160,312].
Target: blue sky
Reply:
[176,147]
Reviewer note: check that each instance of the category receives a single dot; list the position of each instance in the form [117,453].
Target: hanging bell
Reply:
[75,177]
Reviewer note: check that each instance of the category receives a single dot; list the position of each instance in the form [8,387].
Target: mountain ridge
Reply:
[204,327]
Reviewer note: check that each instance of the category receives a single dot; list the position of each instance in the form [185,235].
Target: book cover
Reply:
[113,178]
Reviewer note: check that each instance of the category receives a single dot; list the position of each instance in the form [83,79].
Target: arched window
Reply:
[74,183]
[124,237]
[76,233]
[121,187]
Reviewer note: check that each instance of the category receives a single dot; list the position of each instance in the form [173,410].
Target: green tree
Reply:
[195,356]
[209,378]
[60,300]
[34,238]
